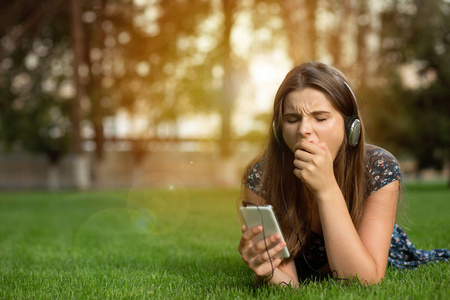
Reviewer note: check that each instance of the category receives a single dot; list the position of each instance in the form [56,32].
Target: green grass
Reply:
[174,243]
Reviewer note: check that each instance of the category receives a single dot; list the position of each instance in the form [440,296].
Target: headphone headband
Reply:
[353,96]
[355,103]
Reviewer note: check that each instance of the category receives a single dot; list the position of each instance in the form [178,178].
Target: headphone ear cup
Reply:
[353,129]
[274,129]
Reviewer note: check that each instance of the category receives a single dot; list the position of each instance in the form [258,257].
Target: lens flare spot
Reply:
[158,203]
[144,221]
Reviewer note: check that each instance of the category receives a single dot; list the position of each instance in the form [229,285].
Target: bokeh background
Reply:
[119,93]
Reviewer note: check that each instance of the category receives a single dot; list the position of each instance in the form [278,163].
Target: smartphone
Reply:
[263,215]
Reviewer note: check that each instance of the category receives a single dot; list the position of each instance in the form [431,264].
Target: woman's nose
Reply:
[305,127]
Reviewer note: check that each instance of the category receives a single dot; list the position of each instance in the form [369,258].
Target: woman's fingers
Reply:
[302,156]
[247,236]
[266,262]
[307,146]
[267,268]
[265,255]
[252,232]
[300,164]
[309,155]
[260,256]
[250,250]
[261,251]
[263,245]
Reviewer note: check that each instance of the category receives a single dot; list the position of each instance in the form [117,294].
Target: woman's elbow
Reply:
[371,279]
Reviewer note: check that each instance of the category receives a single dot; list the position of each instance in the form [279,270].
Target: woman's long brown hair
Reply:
[349,164]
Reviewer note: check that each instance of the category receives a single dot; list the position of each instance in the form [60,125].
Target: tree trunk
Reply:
[228,7]
[300,25]
[53,175]
[81,163]
[94,87]
[311,8]
[96,93]
[296,33]
[53,183]
[335,45]
[363,30]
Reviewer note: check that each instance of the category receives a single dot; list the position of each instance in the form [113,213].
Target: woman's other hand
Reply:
[256,256]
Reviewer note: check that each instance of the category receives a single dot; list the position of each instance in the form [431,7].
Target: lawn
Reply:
[175,243]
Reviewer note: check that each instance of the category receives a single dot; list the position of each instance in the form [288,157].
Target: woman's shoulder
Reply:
[253,176]
[374,150]
[376,156]
[383,168]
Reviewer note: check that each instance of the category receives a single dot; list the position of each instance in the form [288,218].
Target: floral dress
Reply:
[383,169]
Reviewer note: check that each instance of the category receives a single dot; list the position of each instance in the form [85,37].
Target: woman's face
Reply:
[308,113]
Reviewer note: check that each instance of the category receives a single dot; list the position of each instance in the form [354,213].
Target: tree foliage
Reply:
[168,59]
[32,59]
[135,57]
[415,58]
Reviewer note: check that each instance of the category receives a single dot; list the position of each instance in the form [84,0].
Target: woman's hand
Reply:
[314,166]
[255,254]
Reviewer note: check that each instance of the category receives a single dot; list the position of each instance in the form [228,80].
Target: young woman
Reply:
[327,187]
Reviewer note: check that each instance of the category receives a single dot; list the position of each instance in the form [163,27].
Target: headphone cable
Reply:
[265,244]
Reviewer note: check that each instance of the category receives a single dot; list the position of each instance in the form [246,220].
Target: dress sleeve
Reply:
[253,180]
[383,169]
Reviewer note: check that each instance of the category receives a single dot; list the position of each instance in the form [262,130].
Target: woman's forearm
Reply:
[347,255]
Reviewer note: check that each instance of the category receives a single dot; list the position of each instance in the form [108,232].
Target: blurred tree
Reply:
[298,19]
[169,59]
[328,31]
[385,38]
[362,56]
[34,115]
[140,59]
[81,166]
[416,37]
[228,94]
[300,27]
[132,57]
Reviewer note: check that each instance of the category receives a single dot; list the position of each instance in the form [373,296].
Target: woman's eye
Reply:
[321,119]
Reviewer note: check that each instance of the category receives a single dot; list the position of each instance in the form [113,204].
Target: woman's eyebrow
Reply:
[314,113]
[291,114]
[320,112]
